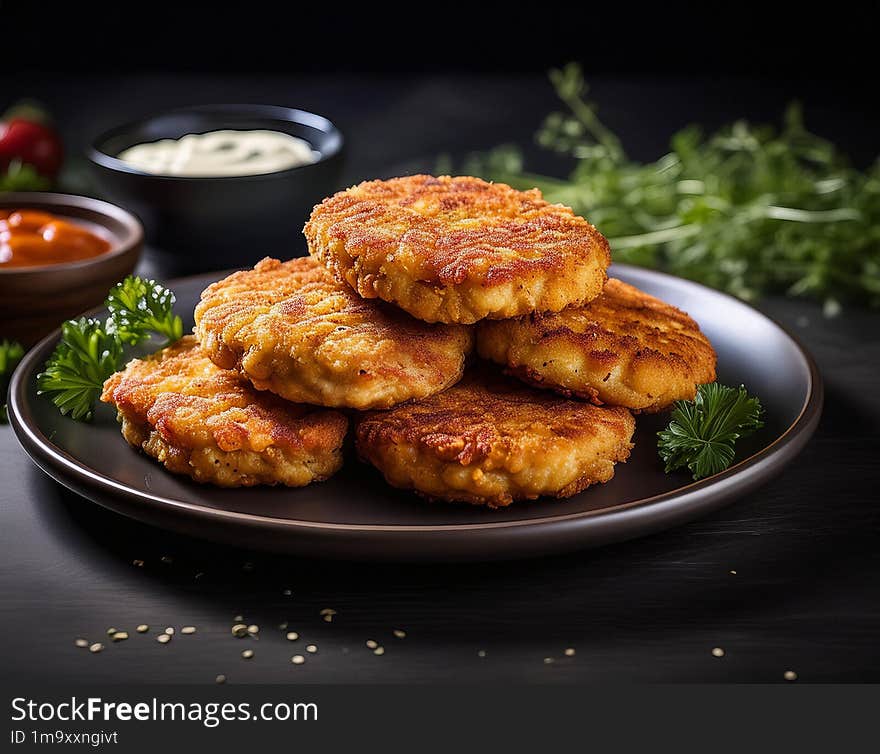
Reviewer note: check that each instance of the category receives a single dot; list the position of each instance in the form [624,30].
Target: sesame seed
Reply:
[292,636]
[239,630]
[372,644]
[163,638]
[81,643]
[142,628]
[220,679]
[188,630]
[247,654]
[138,563]
[170,630]
[328,611]
[253,629]
[96,647]
[789,675]
[569,652]
[248,567]
[120,636]
[283,626]
[238,619]
[399,634]
[481,653]
[297,659]
[379,651]
[717,652]
[167,559]
[199,575]
[111,631]
[311,649]
[548,660]
[287,592]
[733,573]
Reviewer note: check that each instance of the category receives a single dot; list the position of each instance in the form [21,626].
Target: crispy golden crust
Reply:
[490,440]
[625,348]
[458,249]
[210,424]
[294,330]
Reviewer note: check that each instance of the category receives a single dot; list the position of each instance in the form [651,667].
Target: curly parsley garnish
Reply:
[702,432]
[10,355]
[91,350]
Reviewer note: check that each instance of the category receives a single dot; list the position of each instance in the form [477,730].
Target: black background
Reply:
[405,85]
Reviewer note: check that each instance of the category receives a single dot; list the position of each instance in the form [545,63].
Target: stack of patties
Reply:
[404,275]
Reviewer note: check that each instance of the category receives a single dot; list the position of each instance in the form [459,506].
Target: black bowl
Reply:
[210,223]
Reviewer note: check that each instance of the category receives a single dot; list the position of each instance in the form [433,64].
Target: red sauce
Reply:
[29,238]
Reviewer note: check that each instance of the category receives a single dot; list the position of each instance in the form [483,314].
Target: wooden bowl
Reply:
[36,300]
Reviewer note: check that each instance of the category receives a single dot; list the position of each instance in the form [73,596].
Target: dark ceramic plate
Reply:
[356,515]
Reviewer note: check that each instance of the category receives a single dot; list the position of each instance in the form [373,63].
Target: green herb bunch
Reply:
[10,354]
[90,350]
[746,210]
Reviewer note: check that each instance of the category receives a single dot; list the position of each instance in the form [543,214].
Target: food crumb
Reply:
[81,643]
[372,644]
[96,647]
[789,675]
[399,634]
[292,636]
[220,679]
[188,630]
[247,654]
[569,652]
[717,652]
[163,638]
[142,628]
[297,659]
[481,653]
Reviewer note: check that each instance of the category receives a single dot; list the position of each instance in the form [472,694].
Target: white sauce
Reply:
[221,154]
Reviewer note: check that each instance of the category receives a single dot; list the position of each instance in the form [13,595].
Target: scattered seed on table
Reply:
[569,652]
[311,649]
[292,636]
[238,619]
[163,638]
[372,644]
[138,563]
[167,559]
[247,654]
[717,652]
[247,567]
[253,629]
[120,636]
[170,630]
[239,630]
[327,614]
[81,643]
[143,628]
[220,679]
[297,659]
[481,653]
[188,630]
[111,631]
[283,626]
[548,660]
[789,675]
[379,651]
[399,634]
[287,592]
[199,575]
[733,573]
[96,647]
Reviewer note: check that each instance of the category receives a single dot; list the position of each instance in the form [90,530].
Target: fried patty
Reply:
[211,425]
[491,440]
[625,348]
[458,249]
[293,329]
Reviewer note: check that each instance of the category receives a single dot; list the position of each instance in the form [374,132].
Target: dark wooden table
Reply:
[784,580]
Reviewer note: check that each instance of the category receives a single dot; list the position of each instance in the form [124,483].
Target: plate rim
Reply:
[48,456]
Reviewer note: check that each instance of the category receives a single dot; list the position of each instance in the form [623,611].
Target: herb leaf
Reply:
[10,354]
[702,433]
[140,307]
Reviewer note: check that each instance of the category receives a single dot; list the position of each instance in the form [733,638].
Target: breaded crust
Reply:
[490,440]
[211,425]
[625,348]
[458,249]
[293,329]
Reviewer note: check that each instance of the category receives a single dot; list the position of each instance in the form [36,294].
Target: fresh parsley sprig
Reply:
[10,354]
[141,307]
[91,350]
[702,433]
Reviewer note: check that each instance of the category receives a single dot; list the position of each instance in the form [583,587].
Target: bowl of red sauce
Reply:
[59,255]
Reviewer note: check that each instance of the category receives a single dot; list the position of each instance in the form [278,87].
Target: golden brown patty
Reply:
[490,440]
[291,328]
[458,249]
[625,348]
[210,424]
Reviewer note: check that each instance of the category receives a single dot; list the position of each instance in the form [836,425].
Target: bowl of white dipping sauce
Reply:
[221,185]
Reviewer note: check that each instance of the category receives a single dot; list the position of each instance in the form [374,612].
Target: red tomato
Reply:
[33,143]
